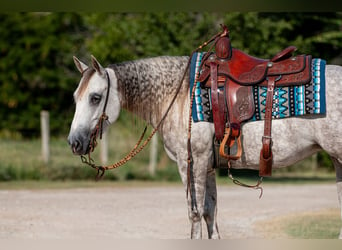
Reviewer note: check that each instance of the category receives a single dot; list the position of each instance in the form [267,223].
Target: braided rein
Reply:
[138,147]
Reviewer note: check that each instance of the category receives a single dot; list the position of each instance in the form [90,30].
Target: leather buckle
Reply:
[265,137]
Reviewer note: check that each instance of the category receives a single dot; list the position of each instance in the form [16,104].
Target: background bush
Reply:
[37,71]
[36,50]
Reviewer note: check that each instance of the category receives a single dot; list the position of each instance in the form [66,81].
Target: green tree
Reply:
[264,34]
[36,51]
[119,37]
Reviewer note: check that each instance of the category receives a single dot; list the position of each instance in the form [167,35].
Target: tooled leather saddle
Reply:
[231,75]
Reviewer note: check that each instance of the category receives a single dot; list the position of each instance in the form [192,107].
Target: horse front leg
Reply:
[195,196]
[338,169]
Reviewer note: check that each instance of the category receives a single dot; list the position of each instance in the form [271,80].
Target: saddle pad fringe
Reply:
[288,102]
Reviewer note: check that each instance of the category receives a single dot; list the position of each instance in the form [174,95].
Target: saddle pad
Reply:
[288,102]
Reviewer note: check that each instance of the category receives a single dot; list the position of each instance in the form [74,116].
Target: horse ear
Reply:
[80,65]
[97,66]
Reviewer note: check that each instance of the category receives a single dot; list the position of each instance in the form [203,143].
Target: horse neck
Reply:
[145,86]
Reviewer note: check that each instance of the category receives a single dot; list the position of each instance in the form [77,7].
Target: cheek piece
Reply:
[97,132]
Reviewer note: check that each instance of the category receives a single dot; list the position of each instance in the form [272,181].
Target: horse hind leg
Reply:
[338,169]
[210,205]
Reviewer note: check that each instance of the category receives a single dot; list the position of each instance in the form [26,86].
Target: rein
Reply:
[139,146]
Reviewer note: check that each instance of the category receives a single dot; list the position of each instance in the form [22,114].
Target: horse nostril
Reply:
[76,146]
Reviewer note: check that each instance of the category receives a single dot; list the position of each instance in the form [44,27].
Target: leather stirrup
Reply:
[227,139]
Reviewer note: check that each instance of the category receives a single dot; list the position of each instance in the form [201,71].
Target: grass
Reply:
[21,160]
[324,224]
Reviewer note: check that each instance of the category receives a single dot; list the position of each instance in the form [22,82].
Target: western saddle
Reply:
[231,75]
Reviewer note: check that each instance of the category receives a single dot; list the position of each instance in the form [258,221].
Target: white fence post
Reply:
[314,162]
[153,156]
[45,134]
[104,147]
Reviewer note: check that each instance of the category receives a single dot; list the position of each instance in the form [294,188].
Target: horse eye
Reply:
[95,99]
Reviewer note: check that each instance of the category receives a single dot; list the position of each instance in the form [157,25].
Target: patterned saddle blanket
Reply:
[292,101]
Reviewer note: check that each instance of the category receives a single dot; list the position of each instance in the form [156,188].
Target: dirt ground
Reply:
[149,212]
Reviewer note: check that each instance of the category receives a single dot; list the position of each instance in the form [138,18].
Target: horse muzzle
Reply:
[79,145]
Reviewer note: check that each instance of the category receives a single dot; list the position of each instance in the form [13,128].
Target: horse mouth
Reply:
[75,151]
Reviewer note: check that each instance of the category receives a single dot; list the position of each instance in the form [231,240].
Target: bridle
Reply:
[138,147]
[104,117]
[98,130]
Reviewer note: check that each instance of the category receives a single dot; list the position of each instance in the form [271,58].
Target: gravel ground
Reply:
[148,212]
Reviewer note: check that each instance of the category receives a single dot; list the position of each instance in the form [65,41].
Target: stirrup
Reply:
[224,142]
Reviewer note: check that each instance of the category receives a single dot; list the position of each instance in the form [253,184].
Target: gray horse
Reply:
[146,87]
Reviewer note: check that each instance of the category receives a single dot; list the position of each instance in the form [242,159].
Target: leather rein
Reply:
[139,146]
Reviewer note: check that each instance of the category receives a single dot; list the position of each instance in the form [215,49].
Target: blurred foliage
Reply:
[36,49]
[324,161]
[36,69]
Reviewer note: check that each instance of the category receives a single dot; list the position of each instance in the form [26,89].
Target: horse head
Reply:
[96,96]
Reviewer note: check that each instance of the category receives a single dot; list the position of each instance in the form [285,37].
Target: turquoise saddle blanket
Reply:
[288,102]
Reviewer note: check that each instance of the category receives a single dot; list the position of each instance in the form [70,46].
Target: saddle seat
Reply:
[231,75]
[247,70]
